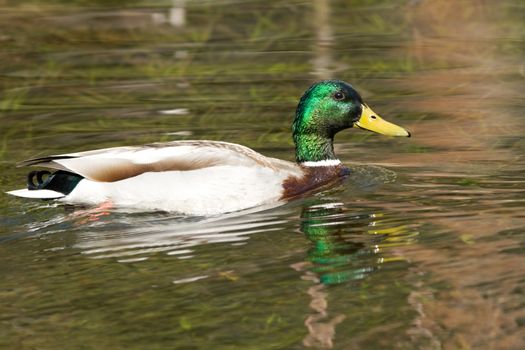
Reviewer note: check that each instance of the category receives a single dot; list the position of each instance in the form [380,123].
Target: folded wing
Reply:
[118,163]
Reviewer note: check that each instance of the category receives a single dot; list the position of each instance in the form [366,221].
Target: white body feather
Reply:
[206,191]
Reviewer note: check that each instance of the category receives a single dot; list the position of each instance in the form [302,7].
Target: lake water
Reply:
[422,247]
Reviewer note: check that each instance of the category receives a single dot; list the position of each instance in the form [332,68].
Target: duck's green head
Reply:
[326,108]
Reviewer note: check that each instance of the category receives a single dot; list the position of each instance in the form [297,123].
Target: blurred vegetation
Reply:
[109,67]
[98,69]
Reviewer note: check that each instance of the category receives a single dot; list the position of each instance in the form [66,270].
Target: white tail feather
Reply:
[41,194]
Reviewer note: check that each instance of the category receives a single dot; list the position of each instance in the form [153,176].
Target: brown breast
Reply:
[314,177]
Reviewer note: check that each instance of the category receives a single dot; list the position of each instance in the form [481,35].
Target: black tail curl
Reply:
[37,175]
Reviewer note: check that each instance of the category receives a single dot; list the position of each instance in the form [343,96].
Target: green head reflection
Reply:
[348,247]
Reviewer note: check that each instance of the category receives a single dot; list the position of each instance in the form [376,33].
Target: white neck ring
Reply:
[326,162]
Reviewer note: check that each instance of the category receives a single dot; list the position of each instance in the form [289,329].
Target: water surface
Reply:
[421,248]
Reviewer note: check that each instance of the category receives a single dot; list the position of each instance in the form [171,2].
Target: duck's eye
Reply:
[339,96]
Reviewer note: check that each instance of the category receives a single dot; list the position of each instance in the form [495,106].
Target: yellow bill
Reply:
[372,122]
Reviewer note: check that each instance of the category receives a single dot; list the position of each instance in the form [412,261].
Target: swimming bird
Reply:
[211,177]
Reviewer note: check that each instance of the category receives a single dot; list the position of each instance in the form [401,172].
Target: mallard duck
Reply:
[211,177]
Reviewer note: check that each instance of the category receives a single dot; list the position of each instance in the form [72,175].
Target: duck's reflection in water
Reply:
[345,248]
[348,244]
